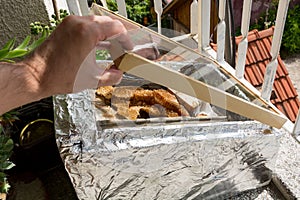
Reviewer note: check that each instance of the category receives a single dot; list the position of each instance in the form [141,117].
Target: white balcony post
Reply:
[104,3]
[74,7]
[194,17]
[122,8]
[296,130]
[204,7]
[221,30]
[243,45]
[84,7]
[276,42]
[78,7]
[158,10]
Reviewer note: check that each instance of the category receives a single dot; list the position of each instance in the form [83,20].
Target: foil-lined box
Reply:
[161,158]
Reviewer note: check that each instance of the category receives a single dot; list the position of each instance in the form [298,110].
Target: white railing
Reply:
[200,26]
[276,42]
[122,8]
[243,45]
[203,46]
[203,25]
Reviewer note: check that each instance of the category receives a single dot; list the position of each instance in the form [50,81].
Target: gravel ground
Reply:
[293,64]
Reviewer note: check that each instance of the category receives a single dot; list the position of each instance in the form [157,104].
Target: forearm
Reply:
[64,63]
[18,86]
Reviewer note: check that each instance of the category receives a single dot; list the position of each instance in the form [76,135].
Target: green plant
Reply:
[39,27]
[9,52]
[290,43]
[291,39]
[137,10]
[6,148]
[9,118]
[102,54]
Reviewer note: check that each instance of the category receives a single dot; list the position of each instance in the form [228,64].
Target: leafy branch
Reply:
[290,40]
[6,147]
[137,10]
[9,52]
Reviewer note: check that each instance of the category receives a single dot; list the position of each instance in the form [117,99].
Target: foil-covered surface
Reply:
[160,159]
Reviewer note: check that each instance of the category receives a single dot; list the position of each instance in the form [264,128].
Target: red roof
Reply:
[284,95]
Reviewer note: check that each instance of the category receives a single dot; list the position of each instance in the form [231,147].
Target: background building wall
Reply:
[16,16]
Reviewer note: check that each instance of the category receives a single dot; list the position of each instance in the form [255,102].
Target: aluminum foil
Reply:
[161,159]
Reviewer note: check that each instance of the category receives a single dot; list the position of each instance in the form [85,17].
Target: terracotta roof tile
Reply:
[288,110]
[258,56]
[260,72]
[246,75]
[251,77]
[256,72]
[292,87]
[286,97]
[267,47]
[263,49]
[250,54]
[252,35]
[287,87]
[282,67]
[253,48]
[280,107]
[280,91]
[294,104]
[248,59]
[267,33]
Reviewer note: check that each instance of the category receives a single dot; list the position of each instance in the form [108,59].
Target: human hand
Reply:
[66,62]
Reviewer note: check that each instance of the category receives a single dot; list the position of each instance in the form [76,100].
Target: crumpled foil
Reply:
[185,159]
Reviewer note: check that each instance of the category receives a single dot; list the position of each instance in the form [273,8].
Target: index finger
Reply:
[113,29]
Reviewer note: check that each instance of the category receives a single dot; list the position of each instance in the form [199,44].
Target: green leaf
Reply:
[9,145]
[16,53]
[6,147]
[3,158]
[36,43]
[4,186]
[2,176]
[3,53]
[7,165]
[10,44]
[7,60]
[45,33]
[25,42]
[3,139]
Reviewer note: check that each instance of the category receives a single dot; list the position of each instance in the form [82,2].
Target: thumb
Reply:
[89,73]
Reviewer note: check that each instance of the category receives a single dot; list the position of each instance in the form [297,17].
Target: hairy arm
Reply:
[64,63]
[18,86]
